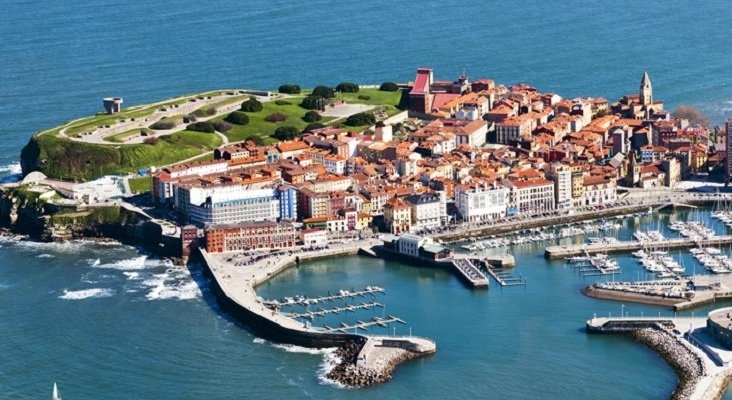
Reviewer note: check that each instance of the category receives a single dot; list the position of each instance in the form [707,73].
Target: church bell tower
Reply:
[646,90]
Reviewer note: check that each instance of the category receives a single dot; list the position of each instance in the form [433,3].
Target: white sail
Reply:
[55,393]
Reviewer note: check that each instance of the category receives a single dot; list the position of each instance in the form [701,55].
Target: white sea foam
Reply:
[133,264]
[330,359]
[174,283]
[12,168]
[45,255]
[291,348]
[86,293]
[68,247]
[132,275]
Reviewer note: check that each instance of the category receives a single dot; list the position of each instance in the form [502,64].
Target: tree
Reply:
[276,117]
[251,105]
[323,91]
[313,126]
[286,133]
[203,126]
[238,117]
[289,88]
[222,126]
[359,119]
[312,116]
[205,112]
[389,87]
[163,124]
[313,102]
[692,114]
[347,87]
[152,140]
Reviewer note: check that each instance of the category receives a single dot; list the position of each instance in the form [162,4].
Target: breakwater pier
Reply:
[565,251]
[233,287]
[682,294]
[701,363]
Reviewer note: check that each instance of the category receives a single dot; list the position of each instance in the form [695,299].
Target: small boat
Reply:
[55,395]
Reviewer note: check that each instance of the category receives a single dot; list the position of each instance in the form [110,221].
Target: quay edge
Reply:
[371,359]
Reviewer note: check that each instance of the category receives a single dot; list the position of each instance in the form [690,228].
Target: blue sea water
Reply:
[105,321]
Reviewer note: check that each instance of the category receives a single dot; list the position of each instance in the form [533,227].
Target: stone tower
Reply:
[646,90]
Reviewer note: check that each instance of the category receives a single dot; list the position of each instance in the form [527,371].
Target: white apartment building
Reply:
[409,244]
[335,164]
[206,206]
[562,176]
[531,195]
[513,128]
[600,191]
[429,210]
[202,168]
[481,203]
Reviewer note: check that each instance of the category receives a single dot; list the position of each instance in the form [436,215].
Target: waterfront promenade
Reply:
[234,288]
[631,204]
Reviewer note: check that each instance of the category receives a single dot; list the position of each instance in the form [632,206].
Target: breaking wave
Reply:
[86,293]
[330,360]
[12,168]
[175,283]
[132,264]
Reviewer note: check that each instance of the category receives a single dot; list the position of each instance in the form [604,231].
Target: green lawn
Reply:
[258,127]
[168,150]
[65,159]
[141,185]
[200,140]
[377,97]
[204,157]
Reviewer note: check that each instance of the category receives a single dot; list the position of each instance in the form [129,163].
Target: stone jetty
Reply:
[689,367]
[376,360]
[702,366]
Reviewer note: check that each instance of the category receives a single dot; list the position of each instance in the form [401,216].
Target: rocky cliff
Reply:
[23,211]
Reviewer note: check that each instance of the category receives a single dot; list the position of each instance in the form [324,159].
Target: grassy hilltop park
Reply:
[187,128]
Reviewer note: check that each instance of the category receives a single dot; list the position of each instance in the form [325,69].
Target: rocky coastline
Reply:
[689,367]
[349,373]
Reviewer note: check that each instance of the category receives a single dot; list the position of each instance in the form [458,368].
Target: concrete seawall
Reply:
[233,288]
[266,326]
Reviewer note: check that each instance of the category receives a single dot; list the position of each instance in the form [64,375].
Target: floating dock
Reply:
[555,252]
[342,294]
[335,310]
[504,278]
[382,322]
